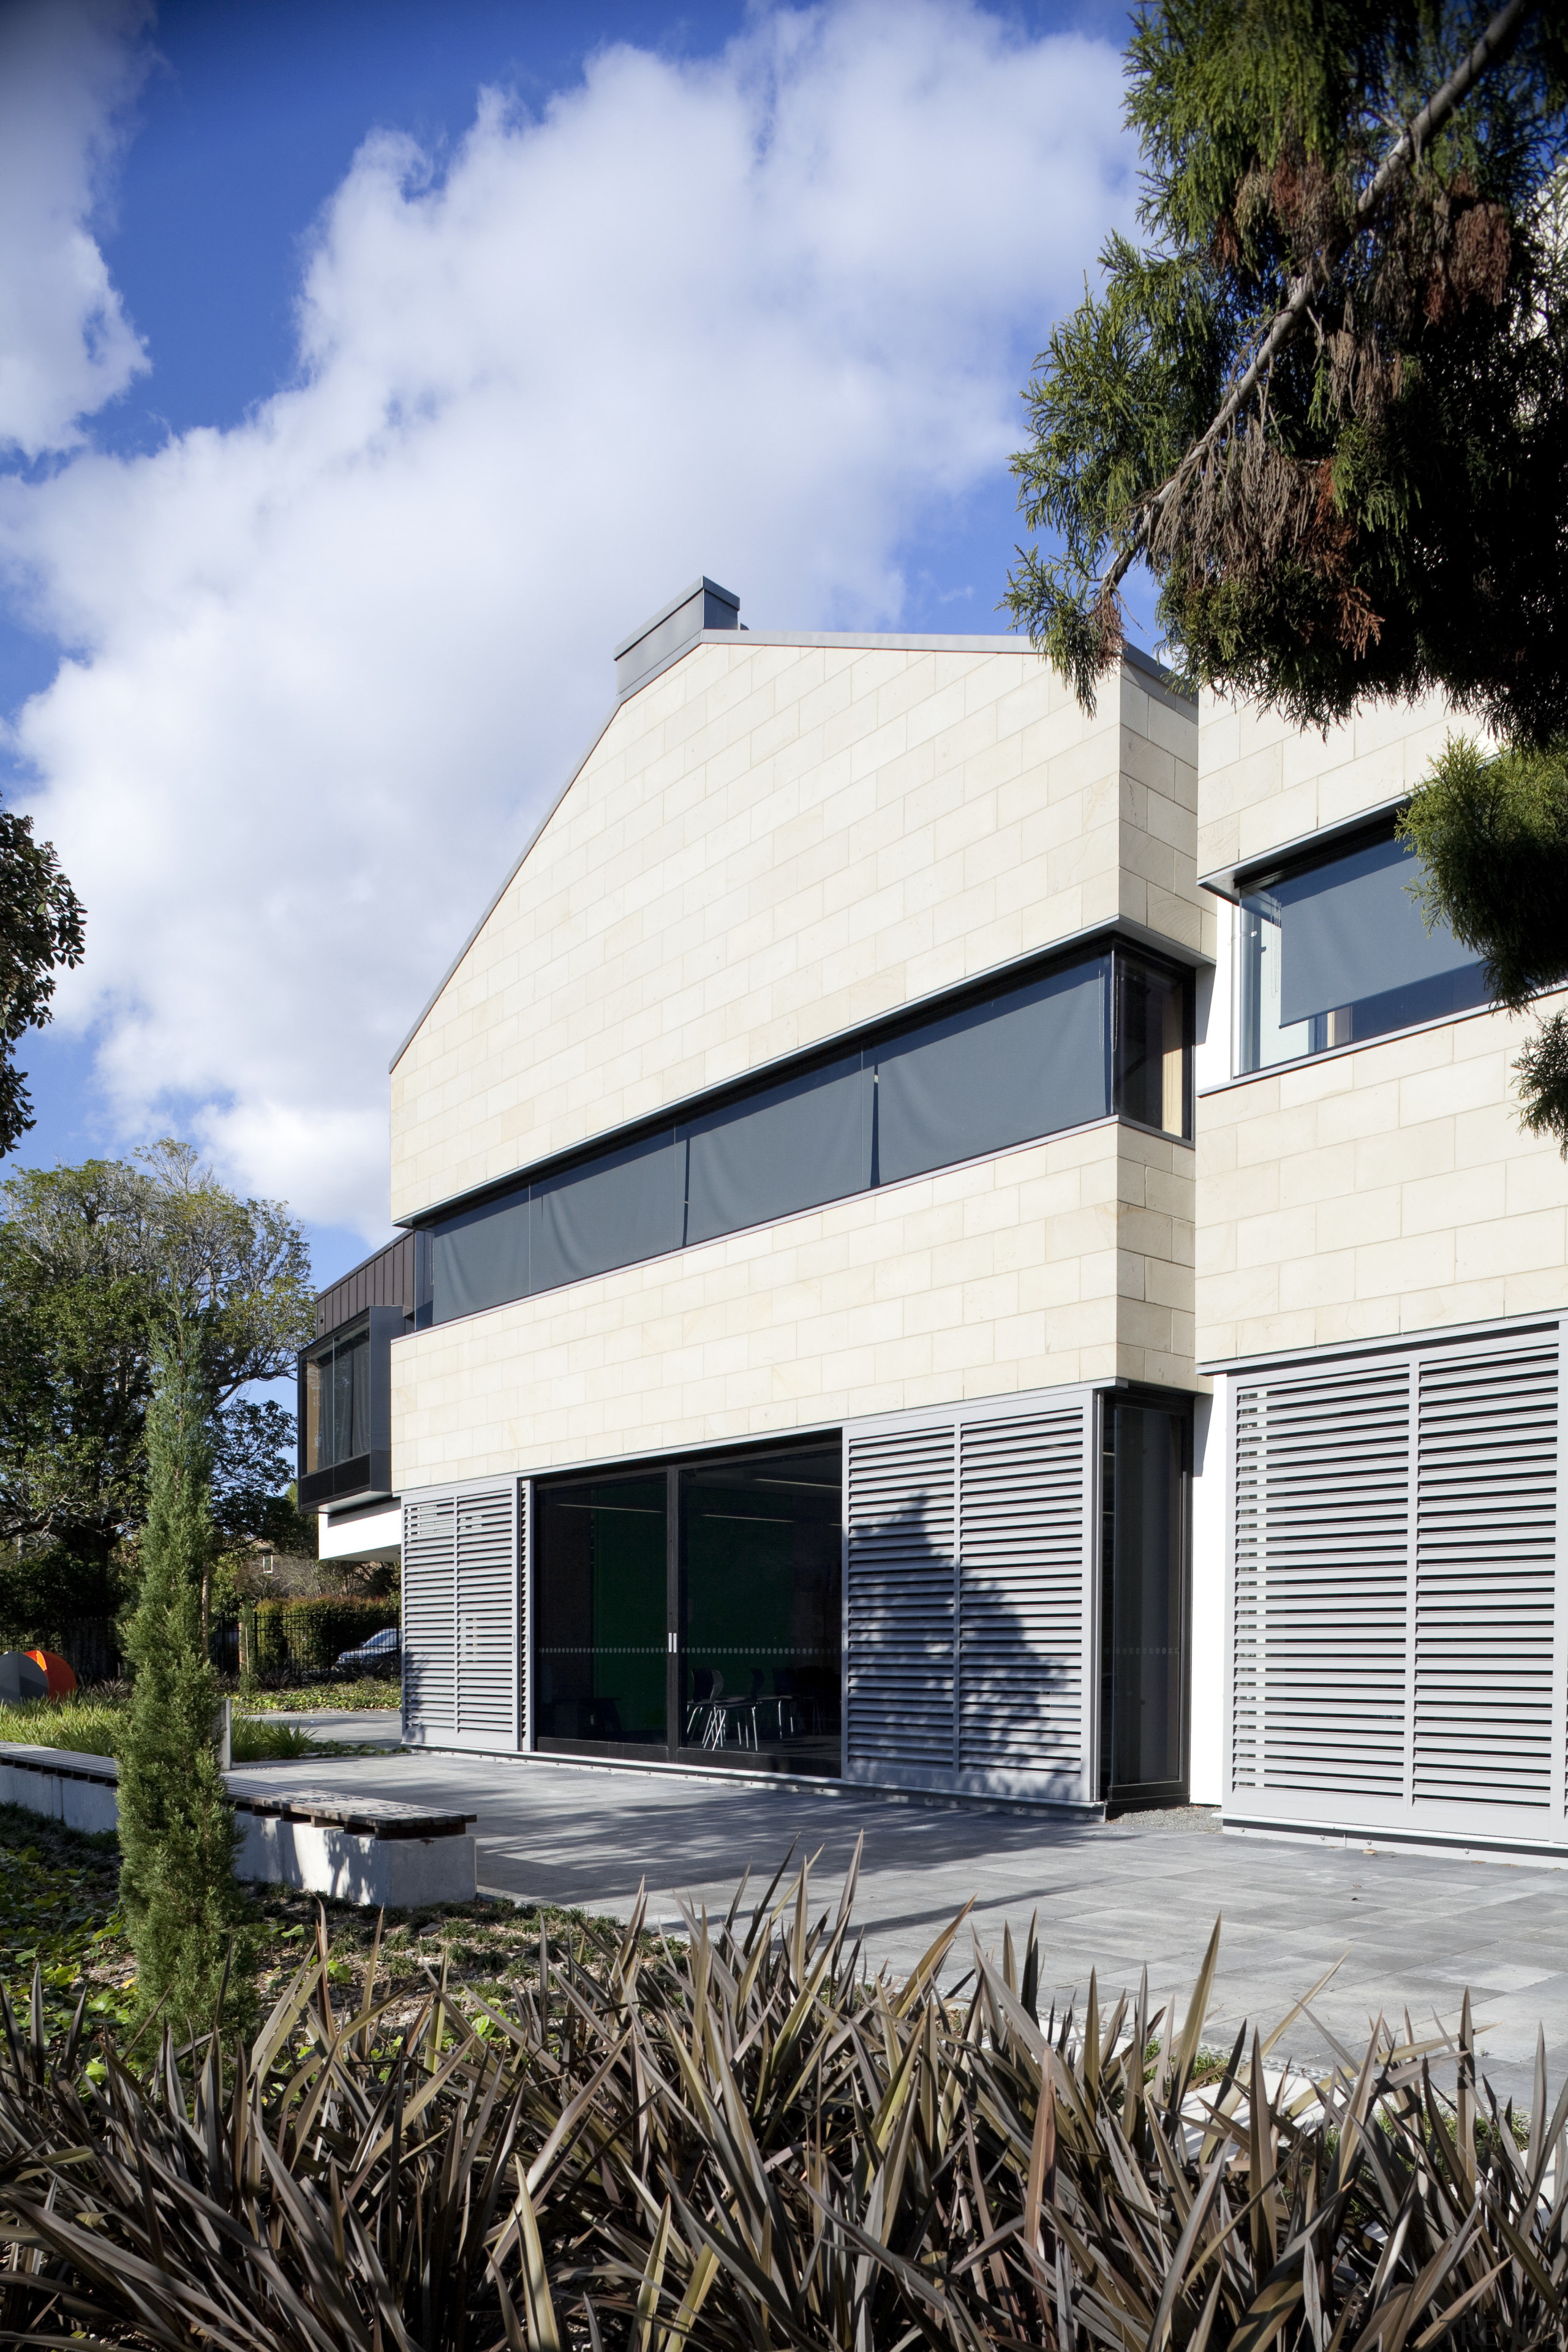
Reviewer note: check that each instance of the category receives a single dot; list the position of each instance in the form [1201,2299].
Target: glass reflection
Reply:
[761,1609]
[1144,1603]
[337,1402]
[600,1643]
[1151,1043]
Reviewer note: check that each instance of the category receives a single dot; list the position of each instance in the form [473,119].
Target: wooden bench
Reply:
[359,1849]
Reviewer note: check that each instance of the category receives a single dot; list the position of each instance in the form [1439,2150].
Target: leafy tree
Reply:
[41,930]
[177,1833]
[1325,401]
[101,1267]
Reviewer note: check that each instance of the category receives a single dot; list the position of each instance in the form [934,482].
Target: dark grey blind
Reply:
[1350,930]
[1025,1064]
[481,1258]
[785,1150]
[622,1206]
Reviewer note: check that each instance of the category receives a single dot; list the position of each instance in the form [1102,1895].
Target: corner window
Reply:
[337,1401]
[1332,949]
[345,1411]
[1154,1058]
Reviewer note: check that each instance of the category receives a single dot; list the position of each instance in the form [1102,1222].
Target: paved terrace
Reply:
[1414,1928]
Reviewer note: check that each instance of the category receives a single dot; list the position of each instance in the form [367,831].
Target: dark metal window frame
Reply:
[1345,841]
[359,1477]
[673,1752]
[1142,1796]
[1113,956]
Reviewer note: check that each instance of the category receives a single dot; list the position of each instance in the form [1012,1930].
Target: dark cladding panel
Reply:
[481,1258]
[791,1148]
[1023,1065]
[620,1207]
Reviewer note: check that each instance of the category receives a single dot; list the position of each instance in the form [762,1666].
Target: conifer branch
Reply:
[1493,46]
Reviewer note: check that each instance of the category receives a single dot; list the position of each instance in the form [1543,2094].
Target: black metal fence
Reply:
[274,1644]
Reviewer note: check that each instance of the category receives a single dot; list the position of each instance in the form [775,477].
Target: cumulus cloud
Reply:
[755,316]
[68,70]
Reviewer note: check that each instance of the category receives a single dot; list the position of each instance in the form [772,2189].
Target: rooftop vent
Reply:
[703,605]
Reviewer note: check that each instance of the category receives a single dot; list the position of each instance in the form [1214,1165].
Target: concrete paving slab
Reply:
[1409,1930]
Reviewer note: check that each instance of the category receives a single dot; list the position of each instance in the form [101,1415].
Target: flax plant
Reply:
[744,2140]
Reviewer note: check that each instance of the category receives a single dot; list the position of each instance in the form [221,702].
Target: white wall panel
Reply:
[1396,1624]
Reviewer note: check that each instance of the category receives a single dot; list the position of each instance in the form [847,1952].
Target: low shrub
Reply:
[87,1725]
[743,2140]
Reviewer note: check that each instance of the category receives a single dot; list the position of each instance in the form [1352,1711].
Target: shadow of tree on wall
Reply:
[974,1664]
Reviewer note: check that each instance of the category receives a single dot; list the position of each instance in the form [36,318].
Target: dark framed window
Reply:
[1110,1031]
[1153,1043]
[694,1609]
[1331,949]
[345,1411]
[1144,1602]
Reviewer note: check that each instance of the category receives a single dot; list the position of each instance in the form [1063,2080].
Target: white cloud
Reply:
[754,317]
[69,69]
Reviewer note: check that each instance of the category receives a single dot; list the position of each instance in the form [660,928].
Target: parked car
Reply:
[381,1655]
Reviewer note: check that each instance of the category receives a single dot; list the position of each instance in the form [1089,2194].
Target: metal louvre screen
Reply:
[1394,1591]
[1246,1693]
[1329,1530]
[1486,1578]
[487,1619]
[898,1674]
[1021,1592]
[969,1559]
[429,1593]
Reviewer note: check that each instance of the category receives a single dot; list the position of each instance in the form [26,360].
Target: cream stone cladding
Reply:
[1064,1261]
[1382,1189]
[775,841]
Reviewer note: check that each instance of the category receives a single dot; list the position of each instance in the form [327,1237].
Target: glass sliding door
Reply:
[600,1643]
[1143,1606]
[760,1610]
[693,1610]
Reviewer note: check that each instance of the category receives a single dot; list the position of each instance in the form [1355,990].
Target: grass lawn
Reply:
[59,1907]
[91,1724]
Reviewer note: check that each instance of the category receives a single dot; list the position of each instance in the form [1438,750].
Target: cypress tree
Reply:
[177,1833]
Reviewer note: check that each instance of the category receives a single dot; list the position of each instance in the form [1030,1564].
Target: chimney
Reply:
[703,605]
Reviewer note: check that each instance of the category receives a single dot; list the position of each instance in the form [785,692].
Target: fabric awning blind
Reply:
[480,1259]
[1351,930]
[1024,1065]
[804,1142]
[621,1207]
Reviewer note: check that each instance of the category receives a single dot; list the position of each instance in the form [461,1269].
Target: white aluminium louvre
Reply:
[1399,1593]
[462,1649]
[970,1599]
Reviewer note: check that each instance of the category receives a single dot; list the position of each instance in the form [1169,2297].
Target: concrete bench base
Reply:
[401,1872]
[373,1852]
[76,1791]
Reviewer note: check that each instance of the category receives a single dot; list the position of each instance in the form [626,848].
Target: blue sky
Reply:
[353,416]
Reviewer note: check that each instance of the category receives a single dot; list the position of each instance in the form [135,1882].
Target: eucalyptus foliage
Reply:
[42,927]
[1384,509]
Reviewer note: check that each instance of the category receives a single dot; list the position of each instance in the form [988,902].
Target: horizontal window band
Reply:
[1080,947]
[1078,1041]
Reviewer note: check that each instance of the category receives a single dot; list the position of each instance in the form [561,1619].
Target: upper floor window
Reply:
[1107,1033]
[1331,949]
[335,1422]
